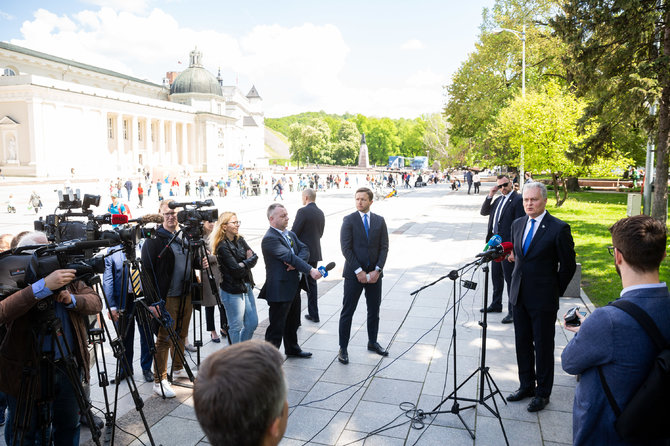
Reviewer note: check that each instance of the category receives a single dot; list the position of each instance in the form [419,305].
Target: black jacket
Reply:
[513,209]
[234,276]
[158,270]
[308,226]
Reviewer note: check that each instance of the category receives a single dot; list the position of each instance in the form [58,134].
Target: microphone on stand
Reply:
[507,247]
[493,241]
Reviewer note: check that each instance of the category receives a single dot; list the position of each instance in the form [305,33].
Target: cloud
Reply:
[412,44]
[6,16]
[122,5]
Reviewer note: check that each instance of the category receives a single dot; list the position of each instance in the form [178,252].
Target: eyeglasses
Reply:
[611,249]
[236,223]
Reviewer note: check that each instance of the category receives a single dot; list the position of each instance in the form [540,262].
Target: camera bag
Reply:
[646,415]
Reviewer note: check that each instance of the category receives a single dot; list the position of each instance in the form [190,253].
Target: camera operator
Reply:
[168,272]
[19,350]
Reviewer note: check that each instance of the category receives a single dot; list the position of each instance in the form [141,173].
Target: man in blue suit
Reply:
[612,340]
[285,264]
[365,244]
[121,302]
[544,263]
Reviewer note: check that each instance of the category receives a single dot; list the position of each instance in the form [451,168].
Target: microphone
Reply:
[119,219]
[491,253]
[83,245]
[493,241]
[174,204]
[148,218]
[507,247]
[324,269]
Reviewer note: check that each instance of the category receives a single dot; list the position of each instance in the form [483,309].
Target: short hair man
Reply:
[308,225]
[240,395]
[614,341]
[502,212]
[544,263]
[364,241]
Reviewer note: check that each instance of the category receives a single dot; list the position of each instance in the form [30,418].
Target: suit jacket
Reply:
[308,226]
[512,210]
[113,278]
[544,272]
[281,285]
[358,250]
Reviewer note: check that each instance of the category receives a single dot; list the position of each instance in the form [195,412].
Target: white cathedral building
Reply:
[57,114]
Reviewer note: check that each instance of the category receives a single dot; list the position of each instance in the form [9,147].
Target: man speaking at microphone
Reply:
[502,212]
[544,263]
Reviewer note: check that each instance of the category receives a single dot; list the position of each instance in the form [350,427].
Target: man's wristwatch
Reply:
[378,269]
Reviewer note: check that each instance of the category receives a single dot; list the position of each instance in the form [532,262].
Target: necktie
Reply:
[366,225]
[529,237]
[496,218]
[288,240]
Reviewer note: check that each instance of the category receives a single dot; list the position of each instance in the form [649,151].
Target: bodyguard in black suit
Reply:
[502,212]
[285,261]
[308,226]
[365,243]
[544,263]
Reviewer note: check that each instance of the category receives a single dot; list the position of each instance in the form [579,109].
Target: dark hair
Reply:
[504,175]
[239,392]
[365,190]
[641,240]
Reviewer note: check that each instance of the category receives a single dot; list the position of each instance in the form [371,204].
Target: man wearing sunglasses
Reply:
[502,212]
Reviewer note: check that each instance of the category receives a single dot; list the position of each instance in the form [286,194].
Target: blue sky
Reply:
[379,58]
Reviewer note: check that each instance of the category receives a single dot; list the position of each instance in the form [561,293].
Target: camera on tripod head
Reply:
[61,227]
[193,216]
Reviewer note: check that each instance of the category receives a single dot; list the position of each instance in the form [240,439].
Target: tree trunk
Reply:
[660,196]
[557,193]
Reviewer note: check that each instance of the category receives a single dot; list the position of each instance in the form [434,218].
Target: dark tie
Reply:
[529,237]
[366,225]
[496,218]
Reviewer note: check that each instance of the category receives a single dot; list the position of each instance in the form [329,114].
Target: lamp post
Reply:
[522,36]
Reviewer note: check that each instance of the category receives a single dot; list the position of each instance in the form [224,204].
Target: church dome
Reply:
[196,79]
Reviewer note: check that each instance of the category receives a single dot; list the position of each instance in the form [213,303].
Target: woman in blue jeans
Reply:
[235,259]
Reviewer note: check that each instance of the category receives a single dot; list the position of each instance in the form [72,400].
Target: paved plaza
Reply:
[375,400]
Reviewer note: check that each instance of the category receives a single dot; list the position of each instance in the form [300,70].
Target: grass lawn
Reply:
[590,214]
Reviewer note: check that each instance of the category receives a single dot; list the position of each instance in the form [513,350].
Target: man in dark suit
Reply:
[308,226]
[285,262]
[502,212]
[365,243]
[544,263]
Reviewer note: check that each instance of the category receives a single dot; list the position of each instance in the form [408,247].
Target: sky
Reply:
[386,58]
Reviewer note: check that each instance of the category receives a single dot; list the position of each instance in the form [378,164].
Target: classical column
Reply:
[173,143]
[118,127]
[183,159]
[161,141]
[134,143]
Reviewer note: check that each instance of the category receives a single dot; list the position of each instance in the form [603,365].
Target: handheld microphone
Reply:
[495,240]
[324,269]
[507,247]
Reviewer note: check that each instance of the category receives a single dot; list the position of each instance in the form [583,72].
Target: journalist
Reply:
[19,353]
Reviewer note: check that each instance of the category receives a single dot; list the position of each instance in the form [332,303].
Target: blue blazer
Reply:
[544,272]
[112,279]
[281,285]
[360,251]
[611,338]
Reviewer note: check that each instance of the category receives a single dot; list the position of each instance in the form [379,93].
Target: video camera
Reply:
[192,217]
[61,227]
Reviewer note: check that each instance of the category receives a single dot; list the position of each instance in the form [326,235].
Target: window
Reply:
[153,132]
[110,128]
[140,135]
[125,129]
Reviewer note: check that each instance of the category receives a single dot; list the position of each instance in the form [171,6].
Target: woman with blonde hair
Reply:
[235,259]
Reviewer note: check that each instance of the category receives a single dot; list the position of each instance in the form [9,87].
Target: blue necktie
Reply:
[366,225]
[529,237]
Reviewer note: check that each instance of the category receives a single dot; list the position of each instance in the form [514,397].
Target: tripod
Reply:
[483,370]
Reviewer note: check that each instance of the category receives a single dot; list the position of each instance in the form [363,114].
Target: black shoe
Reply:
[521,394]
[299,354]
[537,404]
[490,309]
[316,320]
[96,419]
[122,377]
[375,347]
[507,319]
[148,375]
[343,356]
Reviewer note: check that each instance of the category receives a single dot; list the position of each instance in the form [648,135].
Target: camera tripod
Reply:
[485,378]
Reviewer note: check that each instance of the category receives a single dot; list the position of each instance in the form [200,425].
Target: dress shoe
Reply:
[83,419]
[191,348]
[148,375]
[521,394]
[299,354]
[508,319]
[375,347]
[316,320]
[490,309]
[537,403]
[122,377]
[343,356]
[216,339]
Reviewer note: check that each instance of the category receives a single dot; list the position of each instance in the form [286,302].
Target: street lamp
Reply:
[521,35]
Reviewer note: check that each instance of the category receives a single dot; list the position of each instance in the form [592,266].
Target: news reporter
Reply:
[235,259]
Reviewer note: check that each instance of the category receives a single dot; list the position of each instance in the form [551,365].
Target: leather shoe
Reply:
[343,356]
[299,354]
[121,378]
[508,319]
[490,309]
[520,394]
[316,320]
[375,347]
[537,403]
[148,375]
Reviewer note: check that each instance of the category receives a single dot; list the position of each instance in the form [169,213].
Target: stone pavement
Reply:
[369,401]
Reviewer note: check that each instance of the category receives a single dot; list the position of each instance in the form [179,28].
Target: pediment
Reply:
[6,120]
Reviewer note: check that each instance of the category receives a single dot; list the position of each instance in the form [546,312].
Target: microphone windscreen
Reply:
[173,204]
[507,247]
[152,218]
[330,266]
[119,219]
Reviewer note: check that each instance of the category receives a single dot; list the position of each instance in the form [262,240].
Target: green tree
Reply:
[411,134]
[382,139]
[347,145]
[310,142]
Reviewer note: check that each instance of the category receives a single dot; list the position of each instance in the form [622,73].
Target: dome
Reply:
[196,79]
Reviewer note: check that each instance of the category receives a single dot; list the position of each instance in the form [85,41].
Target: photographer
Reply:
[167,271]
[19,351]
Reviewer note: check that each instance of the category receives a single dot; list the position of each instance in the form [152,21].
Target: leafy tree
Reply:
[436,138]
[411,133]
[347,145]
[310,142]
[382,140]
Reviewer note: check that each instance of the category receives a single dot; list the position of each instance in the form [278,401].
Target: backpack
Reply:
[646,415]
